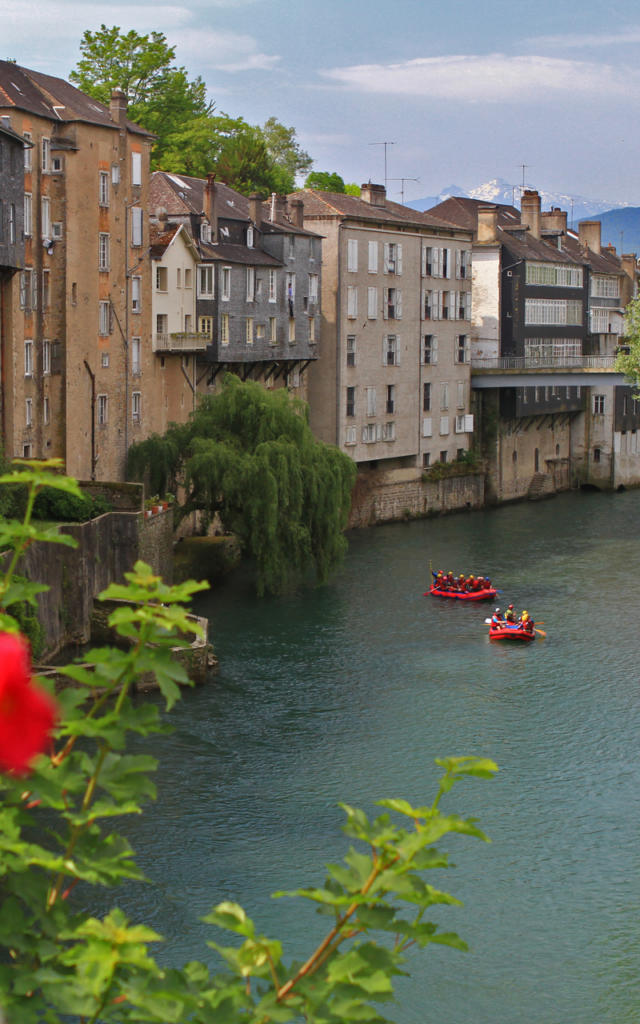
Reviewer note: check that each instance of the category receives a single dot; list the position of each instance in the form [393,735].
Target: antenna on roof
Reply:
[402,180]
[385,144]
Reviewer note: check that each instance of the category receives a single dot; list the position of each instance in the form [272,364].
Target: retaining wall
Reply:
[390,495]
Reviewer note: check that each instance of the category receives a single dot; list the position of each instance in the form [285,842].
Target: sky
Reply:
[462,92]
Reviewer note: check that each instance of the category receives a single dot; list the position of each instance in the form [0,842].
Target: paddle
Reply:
[540,632]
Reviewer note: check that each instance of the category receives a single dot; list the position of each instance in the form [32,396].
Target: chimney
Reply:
[589,234]
[118,107]
[255,209]
[278,207]
[487,224]
[530,211]
[161,215]
[630,265]
[555,220]
[210,205]
[297,212]
[375,195]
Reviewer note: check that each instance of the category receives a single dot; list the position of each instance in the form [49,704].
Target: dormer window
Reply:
[250,236]
[205,231]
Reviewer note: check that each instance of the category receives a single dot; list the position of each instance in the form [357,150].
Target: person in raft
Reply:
[496,618]
[510,615]
[527,622]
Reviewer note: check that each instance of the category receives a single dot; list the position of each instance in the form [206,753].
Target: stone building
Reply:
[257,285]
[76,343]
[392,384]
[12,150]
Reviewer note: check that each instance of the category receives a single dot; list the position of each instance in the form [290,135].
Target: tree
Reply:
[244,163]
[628,362]
[325,181]
[352,189]
[248,455]
[285,151]
[160,96]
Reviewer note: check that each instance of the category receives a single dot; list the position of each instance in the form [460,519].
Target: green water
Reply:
[349,692]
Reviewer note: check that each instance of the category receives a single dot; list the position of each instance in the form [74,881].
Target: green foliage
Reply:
[58,964]
[325,181]
[352,189]
[284,151]
[25,614]
[628,362]
[248,455]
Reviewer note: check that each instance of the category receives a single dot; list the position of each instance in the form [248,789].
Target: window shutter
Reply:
[136,225]
[397,350]
[448,263]
[444,424]
[373,257]
[468,423]
[398,304]
[378,431]
[384,350]
[423,304]
[385,302]
[424,261]
[386,257]
[427,426]
[458,263]
[434,350]
[372,311]
[398,259]
[467,350]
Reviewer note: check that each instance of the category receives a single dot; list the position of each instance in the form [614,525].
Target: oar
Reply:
[540,632]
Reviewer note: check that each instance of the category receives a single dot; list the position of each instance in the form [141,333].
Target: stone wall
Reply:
[124,497]
[107,548]
[385,496]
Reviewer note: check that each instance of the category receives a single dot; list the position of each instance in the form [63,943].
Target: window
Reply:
[369,433]
[352,254]
[26,451]
[598,405]
[136,226]
[291,293]
[103,251]
[187,277]
[373,257]
[135,355]
[463,263]
[605,287]
[553,311]
[103,188]
[443,456]
[596,454]
[272,285]
[392,307]
[351,350]
[224,329]
[251,284]
[27,213]
[261,332]
[392,258]
[28,412]
[350,436]
[370,394]
[312,330]
[136,406]
[46,357]
[557,275]
[273,330]
[431,305]
[426,397]
[248,332]
[390,350]
[205,281]
[426,460]
[352,302]
[46,413]
[162,279]
[136,168]
[205,231]
[444,396]
[462,349]
[205,326]
[28,359]
[162,325]
[250,237]
[226,284]
[292,331]
[313,287]
[27,151]
[115,174]
[436,262]
[46,289]
[104,318]
[292,247]
[427,427]
[27,297]
[46,154]
[135,295]
[391,399]
[460,394]
[12,223]
[45,207]
[388,431]
[372,303]
[104,360]
[429,350]
[102,410]
[351,402]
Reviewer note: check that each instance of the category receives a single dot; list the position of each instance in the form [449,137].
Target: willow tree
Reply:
[248,456]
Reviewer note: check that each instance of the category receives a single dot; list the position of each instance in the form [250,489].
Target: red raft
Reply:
[510,632]
[464,595]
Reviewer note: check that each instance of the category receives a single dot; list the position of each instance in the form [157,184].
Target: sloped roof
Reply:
[337,204]
[53,98]
[162,236]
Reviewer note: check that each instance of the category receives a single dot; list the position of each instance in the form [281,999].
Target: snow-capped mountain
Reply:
[500,191]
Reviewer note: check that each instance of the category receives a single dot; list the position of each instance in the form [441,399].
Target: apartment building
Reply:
[257,281]
[392,384]
[76,331]
[11,226]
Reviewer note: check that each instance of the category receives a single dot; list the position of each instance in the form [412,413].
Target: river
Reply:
[349,692]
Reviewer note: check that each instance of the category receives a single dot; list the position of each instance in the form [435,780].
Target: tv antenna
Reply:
[402,181]
[385,144]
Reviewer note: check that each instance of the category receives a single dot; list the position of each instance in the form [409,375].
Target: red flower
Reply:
[27,713]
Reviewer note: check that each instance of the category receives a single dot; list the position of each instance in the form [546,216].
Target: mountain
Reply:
[621,228]
[500,191]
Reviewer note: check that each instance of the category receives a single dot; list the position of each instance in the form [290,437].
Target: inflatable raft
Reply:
[510,632]
[464,595]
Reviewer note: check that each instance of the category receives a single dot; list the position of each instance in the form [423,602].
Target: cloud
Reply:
[222,51]
[630,35]
[492,78]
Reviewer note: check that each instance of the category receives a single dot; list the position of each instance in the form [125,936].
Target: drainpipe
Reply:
[94,457]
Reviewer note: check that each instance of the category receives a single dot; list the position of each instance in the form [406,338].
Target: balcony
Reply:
[181,341]
[551,362]
[526,371]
